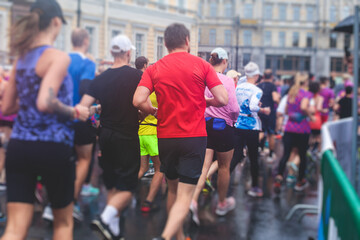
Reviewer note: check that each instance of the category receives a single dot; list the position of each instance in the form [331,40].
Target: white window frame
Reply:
[247,7]
[227,43]
[282,12]
[156,47]
[266,16]
[310,17]
[228,7]
[333,14]
[145,43]
[210,35]
[95,38]
[245,39]
[213,6]
[279,40]
[267,41]
[293,11]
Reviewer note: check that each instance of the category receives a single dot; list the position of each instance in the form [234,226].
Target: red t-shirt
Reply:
[179,80]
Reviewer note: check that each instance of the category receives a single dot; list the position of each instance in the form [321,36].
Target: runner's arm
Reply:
[220,99]
[10,101]
[52,78]
[141,100]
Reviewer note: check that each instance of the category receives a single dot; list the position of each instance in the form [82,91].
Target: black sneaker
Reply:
[103,231]
[147,207]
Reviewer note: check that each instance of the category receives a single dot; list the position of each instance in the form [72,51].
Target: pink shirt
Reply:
[230,112]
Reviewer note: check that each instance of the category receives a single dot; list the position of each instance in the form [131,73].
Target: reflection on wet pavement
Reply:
[262,218]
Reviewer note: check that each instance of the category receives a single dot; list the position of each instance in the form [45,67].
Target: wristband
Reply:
[77,113]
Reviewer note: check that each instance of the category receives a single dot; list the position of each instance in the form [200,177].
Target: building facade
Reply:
[284,35]
[143,21]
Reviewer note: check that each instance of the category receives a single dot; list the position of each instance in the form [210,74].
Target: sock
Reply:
[114,226]
[109,214]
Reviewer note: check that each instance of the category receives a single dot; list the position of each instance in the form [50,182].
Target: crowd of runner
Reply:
[182,119]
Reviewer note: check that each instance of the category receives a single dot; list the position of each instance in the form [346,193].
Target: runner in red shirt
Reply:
[179,81]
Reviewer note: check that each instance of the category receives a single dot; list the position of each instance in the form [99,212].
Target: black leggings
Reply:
[290,141]
[249,138]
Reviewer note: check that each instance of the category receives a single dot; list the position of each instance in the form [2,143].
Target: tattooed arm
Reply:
[53,67]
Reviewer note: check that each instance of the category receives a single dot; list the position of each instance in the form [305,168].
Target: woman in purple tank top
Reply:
[297,130]
[40,92]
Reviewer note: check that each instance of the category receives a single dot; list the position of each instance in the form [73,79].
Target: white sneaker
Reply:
[47,214]
[194,213]
[223,208]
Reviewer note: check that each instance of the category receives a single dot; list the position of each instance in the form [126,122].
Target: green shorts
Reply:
[149,145]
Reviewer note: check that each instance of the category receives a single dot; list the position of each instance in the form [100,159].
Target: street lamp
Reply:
[237,28]
[78,13]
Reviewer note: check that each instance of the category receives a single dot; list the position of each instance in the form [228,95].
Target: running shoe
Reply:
[223,208]
[88,190]
[290,180]
[2,217]
[103,231]
[277,185]
[150,172]
[2,187]
[270,159]
[300,186]
[194,212]
[47,214]
[147,207]
[158,238]
[255,192]
[77,214]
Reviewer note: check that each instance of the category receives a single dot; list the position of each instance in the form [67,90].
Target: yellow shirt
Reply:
[148,126]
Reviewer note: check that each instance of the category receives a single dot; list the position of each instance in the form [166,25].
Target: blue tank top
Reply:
[31,124]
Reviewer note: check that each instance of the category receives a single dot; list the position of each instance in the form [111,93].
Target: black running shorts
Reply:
[182,158]
[54,162]
[220,140]
[120,160]
[85,133]
[268,124]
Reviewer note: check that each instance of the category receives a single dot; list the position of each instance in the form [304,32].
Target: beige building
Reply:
[5,20]
[285,35]
[144,21]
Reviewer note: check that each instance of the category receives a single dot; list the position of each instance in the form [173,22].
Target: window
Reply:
[347,40]
[91,31]
[282,12]
[337,65]
[246,58]
[281,39]
[60,40]
[247,38]
[228,10]
[268,11]
[296,13]
[228,38]
[332,14]
[199,37]
[114,33]
[248,11]
[288,63]
[309,40]
[213,9]
[295,42]
[160,48]
[345,12]
[212,37]
[310,13]
[267,40]
[333,40]
[200,8]
[139,44]
[181,3]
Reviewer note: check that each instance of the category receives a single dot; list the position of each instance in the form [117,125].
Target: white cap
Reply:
[121,43]
[233,74]
[221,53]
[252,69]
